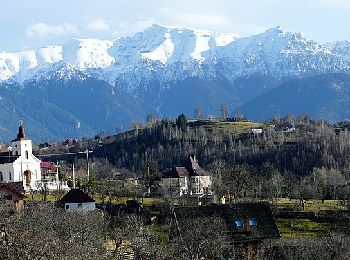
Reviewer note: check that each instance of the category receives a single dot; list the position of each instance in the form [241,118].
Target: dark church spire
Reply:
[21,134]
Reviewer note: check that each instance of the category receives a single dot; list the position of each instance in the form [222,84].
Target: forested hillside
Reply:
[290,144]
[291,157]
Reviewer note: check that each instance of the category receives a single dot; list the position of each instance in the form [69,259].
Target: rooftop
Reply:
[261,221]
[76,196]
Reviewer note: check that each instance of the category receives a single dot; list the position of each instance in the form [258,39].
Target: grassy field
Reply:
[39,197]
[237,128]
[291,228]
[311,205]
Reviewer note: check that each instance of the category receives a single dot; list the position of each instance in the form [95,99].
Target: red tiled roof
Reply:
[48,165]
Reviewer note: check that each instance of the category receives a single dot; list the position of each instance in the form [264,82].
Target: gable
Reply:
[76,196]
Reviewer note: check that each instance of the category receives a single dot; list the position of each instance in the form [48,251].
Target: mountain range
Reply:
[86,86]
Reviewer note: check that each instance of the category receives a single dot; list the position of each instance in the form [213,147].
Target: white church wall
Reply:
[5,170]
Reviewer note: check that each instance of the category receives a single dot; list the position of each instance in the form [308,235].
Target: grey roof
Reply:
[76,196]
[7,157]
[190,168]
[266,227]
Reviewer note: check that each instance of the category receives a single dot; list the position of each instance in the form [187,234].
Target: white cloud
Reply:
[98,25]
[44,30]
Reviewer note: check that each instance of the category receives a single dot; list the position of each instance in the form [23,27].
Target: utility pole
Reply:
[148,183]
[87,164]
[73,176]
[57,179]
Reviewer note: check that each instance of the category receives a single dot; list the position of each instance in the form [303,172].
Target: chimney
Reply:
[247,227]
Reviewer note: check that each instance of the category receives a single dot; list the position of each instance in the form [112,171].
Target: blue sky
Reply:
[34,23]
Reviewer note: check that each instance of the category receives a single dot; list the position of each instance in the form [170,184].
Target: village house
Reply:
[19,164]
[50,179]
[188,180]
[246,226]
[76,199]
[12,193]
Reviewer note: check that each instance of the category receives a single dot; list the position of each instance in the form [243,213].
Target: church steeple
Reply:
[21,135]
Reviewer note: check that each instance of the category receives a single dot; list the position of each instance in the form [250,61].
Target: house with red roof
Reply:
[50,178]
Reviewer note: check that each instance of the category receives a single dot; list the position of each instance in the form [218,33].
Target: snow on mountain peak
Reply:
[163,52]
[88,53]
[174,52]
[181,44]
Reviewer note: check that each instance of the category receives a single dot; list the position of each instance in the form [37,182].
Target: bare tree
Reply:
[224,111]
[198,113]
[41,231]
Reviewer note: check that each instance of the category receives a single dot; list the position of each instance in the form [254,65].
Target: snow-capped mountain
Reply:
[166,71]
[178,53]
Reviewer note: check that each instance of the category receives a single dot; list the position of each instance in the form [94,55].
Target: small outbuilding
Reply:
[13,193]
[76,199]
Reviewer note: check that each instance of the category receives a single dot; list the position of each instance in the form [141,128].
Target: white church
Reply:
[20,165]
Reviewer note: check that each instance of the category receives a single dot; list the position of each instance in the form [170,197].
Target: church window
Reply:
[16,152]
[1,178]
[10,176]
[27,155]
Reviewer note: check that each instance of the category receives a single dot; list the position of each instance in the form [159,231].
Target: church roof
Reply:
[76,196]
[7,157]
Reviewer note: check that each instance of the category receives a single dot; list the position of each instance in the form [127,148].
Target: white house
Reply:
[257,131]
[20,165]
[76,199]
[189,180]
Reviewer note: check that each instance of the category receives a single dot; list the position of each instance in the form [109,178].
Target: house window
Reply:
[238,223]
[252,222]
[1,177]
[27,155]
[67,206]
[10,176]
[80,205]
